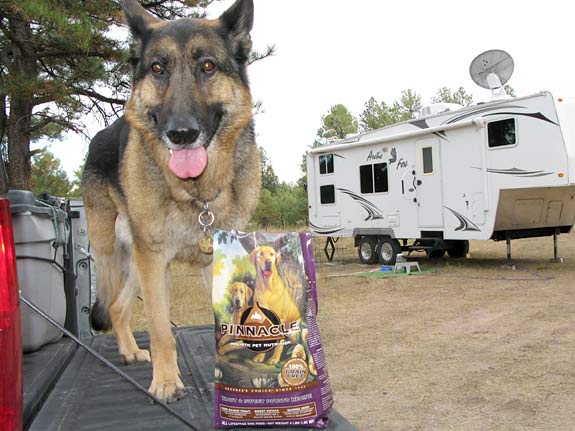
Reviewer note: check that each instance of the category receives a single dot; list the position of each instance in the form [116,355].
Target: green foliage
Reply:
[459,96]
[267,211]
[76,182]
[48,175]
[270,180]
[378,114]
[337,123]
[374,116]
[408,106]
[292,203]
[285,207]
[244,271]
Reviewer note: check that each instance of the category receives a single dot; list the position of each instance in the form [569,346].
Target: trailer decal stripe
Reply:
[479,111]
[464,223]
[536,115]
[422,124]
[516,172]
[373,212]
[324,230]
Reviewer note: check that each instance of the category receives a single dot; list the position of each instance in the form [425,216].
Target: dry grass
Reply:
[474,346]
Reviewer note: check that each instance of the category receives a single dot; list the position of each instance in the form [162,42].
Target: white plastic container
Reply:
[40,236]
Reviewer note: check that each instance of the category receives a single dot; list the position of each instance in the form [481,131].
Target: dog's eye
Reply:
[208,66]
[157,68]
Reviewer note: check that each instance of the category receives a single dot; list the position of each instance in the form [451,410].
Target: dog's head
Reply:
[265,258]
[240,294]
[190,97]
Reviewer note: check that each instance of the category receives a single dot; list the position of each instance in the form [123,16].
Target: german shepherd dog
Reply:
[186,142]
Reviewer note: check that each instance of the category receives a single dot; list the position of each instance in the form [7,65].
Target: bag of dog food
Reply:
[270,367]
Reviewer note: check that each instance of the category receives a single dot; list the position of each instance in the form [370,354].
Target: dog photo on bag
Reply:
[181,160]
[270,368]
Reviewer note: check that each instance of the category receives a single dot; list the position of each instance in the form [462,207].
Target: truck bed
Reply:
[87,395]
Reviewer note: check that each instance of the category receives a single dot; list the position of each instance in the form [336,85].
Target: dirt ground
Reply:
[472,346]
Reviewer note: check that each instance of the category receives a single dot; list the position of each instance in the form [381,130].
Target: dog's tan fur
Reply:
[271,293]
[146,217]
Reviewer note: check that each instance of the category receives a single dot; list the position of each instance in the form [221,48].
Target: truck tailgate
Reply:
[90,396]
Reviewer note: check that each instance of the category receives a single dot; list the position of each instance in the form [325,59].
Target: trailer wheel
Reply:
[459,249]
[436,253]
[367,250]
[389,248]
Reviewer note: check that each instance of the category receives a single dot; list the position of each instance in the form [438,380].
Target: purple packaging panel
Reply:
[270,365]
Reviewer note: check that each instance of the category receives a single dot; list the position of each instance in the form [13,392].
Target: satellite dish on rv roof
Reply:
[491,70]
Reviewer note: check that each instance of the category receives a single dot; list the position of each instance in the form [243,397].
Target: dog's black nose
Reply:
[183,130]
[183,136]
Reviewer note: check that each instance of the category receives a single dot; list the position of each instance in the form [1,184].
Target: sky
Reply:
[335,51]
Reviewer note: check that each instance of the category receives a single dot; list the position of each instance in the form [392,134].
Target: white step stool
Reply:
[407,266]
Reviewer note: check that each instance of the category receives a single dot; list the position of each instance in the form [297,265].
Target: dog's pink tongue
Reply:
[188,163]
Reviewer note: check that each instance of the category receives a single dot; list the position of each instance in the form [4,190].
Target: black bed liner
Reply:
[90,396]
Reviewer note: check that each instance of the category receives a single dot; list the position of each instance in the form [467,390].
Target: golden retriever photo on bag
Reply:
[184,147]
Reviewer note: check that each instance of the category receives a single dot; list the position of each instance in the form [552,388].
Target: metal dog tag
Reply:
[206,219]
[207,245]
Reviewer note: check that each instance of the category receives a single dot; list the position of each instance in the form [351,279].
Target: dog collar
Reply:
[206,219]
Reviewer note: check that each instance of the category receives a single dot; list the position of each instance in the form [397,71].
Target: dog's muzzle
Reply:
[268,268]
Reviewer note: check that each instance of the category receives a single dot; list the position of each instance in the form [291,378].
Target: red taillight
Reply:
[10,335]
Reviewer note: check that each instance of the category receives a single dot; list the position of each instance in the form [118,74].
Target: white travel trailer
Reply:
[500,170]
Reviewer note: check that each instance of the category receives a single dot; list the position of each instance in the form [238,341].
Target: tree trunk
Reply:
[19,166]
[23,69]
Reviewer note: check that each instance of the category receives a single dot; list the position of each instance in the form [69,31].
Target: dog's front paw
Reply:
[169,392]
[139,356]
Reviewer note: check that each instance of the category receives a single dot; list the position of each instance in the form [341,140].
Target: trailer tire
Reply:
[458,249]
[388,250]
[436,253]
[367,250]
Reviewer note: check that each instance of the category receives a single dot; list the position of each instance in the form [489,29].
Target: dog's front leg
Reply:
[153,272]
[208,274]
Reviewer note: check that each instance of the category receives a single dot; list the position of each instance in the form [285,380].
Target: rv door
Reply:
[324,211]
[429,192]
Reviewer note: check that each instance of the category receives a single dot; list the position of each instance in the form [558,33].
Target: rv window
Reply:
[366,178]
[380,176]
[326,164]
[501,133]
[373,178]
[427,155]
[327,194]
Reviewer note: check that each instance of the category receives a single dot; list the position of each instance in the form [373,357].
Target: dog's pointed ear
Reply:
[138,19]
[239,18]
[238,21]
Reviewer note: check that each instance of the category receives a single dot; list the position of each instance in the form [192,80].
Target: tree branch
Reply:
[257,56]
[98,96]
[65,53]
